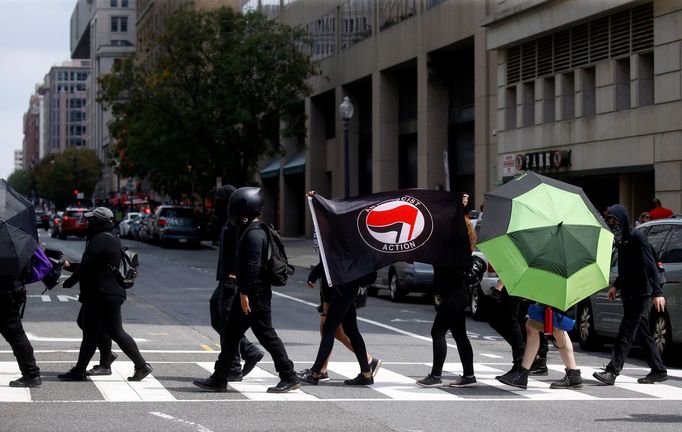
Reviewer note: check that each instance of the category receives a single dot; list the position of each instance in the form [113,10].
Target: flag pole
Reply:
[319,241]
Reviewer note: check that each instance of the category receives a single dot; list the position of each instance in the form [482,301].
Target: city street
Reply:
[167,313]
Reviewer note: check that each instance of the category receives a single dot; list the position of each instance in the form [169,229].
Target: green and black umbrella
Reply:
[546,241]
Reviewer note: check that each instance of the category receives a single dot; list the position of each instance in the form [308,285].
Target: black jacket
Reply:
[637,273]
[14,283]
[97,280]
[227,256]
[251,258]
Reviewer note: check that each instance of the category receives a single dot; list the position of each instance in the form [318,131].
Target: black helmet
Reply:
[245,202]
[225,191]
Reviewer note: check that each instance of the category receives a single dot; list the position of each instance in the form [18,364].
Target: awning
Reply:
[296,165]
[271,170]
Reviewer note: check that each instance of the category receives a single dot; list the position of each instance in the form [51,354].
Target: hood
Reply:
[621,214]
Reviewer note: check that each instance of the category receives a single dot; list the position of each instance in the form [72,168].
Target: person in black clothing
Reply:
[637,282]
[252,307]
[101,296]
[224,294]
[12,301]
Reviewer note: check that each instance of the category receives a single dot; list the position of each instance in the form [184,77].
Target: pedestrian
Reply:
[317,273]
[223,296]
[534,328]
[643,218]
[449,282]
[102,297]
[658,211]
[252,307]
[12,302]
[637,283]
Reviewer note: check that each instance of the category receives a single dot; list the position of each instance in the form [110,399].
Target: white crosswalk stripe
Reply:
[390,385]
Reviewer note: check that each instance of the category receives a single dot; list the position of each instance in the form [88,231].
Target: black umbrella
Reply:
[18,233]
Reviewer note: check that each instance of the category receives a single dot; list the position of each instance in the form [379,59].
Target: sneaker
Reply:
[572,380]
[653,377]
[324,376]
[235,378]
[511,371]
[463,381]
[607,377]
[73,375]
[141,373]
[113,356]
[538,368]
[374,366]
[212,384]
[307,377]
[250,363]
[430,381]
[25,381]
[359,380]
[285,386]
[98,370]
[517,378]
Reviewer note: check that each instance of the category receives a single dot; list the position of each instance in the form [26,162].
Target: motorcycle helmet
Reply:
[246,202]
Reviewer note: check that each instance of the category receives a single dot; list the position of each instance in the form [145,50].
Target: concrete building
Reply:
[152,13]
[64,98]
[589,92]
[31,142]
[422,83]
[102,32]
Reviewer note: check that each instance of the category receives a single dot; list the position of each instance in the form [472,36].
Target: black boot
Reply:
[518,378]
[26,381]
[141,373]
[538,368]
[213,384]
[514,368]
[572,380]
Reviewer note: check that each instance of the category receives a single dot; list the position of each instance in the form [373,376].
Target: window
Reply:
[113,3]
[548,100]
[567,96]
[119,24]
[528,104]
[124,3]
[589,89]
[673,250]
[510,108]
[645,79]
[657,235]
[623,84]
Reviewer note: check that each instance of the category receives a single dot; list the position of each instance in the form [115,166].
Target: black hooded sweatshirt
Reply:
[97,280]
[637,272]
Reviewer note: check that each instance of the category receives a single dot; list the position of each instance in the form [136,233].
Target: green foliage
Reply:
[212,104]
[21,181]
[57,176]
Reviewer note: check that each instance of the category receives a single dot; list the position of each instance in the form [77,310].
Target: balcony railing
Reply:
[356,21]
[394,11]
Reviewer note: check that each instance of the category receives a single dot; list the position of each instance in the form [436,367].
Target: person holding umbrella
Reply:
[18,242]
[638,283]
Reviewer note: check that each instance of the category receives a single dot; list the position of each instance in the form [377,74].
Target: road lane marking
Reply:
[197,426]
[10,371]
[256,384]
[117,388]
[33,337]
[207,348]
[492,356]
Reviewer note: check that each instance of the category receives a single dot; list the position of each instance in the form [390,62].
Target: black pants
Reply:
[635,323]
[260,322]
[505,320]
[342,311]
[450,316]
[98,317]
[220,305]
[103,343]
[13,332]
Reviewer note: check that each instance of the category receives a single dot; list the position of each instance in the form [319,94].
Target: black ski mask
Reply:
[616,229]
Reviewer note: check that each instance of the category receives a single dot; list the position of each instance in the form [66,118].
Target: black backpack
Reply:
[277,267]
[126,272]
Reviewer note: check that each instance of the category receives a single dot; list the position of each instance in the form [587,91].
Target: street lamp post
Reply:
[346,111]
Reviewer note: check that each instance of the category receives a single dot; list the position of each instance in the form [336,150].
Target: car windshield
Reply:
[74,213]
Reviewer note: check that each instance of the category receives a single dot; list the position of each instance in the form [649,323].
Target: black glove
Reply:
[70,282]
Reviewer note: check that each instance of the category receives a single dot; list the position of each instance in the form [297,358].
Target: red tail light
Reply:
[490,268]
[162,221]
[65,218]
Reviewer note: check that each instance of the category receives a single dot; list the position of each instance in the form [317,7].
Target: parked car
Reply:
[403,278]
[134,227]
[124,225]
[598,318]
[42,219]
[176,224]
[56,224]
[73,223]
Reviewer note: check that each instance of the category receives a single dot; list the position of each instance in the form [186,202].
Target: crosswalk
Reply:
[171,382]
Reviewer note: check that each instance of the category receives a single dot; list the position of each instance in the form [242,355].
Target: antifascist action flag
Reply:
[360,235]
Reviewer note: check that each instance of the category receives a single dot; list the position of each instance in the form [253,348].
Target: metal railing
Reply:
[394,11]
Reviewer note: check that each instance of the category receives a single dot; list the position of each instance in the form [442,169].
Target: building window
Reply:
[528,104]
[645,79]
[589,90]
[119,24]
[548,100]
[113,3]
[567,96]
[124,3]
[623,84]
[510,108]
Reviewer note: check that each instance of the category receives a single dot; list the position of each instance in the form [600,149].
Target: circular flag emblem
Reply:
[396,225]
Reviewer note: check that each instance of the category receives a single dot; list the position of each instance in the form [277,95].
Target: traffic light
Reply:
[75,192]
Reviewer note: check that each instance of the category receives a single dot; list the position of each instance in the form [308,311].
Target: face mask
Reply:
[617,231]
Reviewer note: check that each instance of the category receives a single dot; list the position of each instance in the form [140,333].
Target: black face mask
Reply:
[617,231]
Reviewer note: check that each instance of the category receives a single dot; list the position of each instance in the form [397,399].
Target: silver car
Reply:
[598,318]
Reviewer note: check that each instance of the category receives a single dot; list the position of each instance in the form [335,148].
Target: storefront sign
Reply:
[546,160]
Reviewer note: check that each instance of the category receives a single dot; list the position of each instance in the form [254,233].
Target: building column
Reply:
[486,80]
[385,132]
[432,126]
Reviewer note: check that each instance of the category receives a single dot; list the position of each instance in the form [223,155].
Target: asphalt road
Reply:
[167,312]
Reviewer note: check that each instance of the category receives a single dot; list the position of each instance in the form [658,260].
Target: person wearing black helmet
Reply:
[252,308]
[223,296]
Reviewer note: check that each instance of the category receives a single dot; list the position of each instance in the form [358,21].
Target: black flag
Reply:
[358,236]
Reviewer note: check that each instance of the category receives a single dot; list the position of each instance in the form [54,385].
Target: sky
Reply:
[34,36]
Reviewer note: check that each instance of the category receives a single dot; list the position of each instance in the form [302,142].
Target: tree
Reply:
[212,104]
[59,176]
[21,181]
